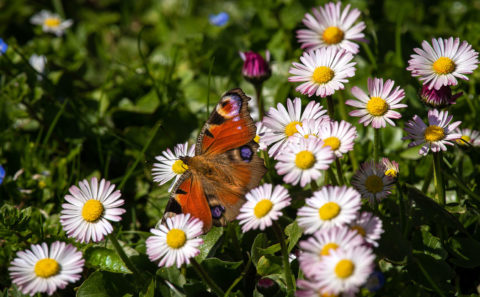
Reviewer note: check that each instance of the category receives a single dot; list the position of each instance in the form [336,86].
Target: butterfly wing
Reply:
[226,140]
[225,167]
[229,126]
[188,196]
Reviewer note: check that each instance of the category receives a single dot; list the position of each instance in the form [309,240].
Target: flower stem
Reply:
[376,143]
[331,175]
[123,255]
[286,264]
[401,208]
[261,108]
[330,107]
[204,275]
[341,179]
[438,178]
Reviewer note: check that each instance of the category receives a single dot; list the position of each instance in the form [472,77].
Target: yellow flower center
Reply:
[329,211]
[291,128]
[179,167]
[305,160]
[333,142]
[374,184]
[444,65]
[391,172]
[92,210]
[376,106]
[42,184]
[463,140]
[52,22]
[322,74]
[257,138]
[434,133]
[46,268]
[262,208]
[344,268]
[326,248]
[332,35]
[176,238]
[360,230]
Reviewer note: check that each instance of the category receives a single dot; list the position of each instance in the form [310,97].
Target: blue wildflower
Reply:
[2,172]
[3,46]
[375,281]
[219,19]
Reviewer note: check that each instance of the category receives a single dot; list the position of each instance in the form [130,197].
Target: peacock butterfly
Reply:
[225,166]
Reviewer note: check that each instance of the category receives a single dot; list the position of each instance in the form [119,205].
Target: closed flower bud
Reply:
[256,69]
[438,98]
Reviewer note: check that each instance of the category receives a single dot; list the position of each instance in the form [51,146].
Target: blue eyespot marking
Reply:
[217,211]
[246,153]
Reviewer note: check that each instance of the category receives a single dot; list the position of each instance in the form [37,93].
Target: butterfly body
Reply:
[225,166]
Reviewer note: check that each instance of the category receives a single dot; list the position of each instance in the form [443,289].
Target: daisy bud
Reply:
[256,69]
[440,98]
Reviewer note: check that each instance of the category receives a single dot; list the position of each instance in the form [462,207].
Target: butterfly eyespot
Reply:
[229,106]
[217,211]
[246,153]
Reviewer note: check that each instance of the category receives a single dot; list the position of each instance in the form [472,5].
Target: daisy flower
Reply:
[89,209]
[302,162]
[323,71]
[175,242]
[469,136]
[331,27]
[436,135]
[378,107]
[320,244]
[372,183]
[310,128]
[369,227]
[282,123]
[331,206]
[170,166]
[340,136]
[444,63]
[51,22]
[259,137]
[263,206]
[390,168]
[345,270]
[44,269]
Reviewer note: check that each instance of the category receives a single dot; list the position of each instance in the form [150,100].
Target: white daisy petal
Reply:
[263,206]
[85,215]
[44,269]
[439,66]
[330,69]
[331,206]
[175,242]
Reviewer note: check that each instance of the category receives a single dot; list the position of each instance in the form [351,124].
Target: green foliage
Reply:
[132,78]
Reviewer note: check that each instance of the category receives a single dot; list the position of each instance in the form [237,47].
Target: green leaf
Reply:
[426,243]
[258,245]
[411,153]
[294,232]
[430,272]
[150,292]
[465,252]
[105,259]
[269,264]
[222,272]
[210,243]
[172,274]
[106,284]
